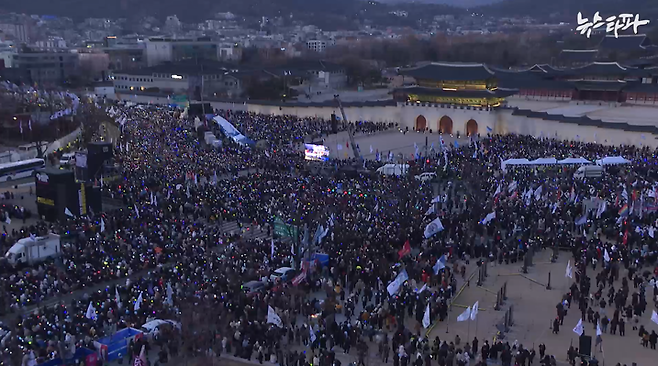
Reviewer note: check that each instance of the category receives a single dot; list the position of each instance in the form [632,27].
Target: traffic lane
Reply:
[10,185]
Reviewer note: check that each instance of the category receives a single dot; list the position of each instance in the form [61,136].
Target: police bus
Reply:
[20,169]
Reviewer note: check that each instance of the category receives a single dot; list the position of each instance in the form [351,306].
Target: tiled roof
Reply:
[579,56]
[624,42]
[449,71]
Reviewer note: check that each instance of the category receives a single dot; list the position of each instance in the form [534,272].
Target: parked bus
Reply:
[20,169]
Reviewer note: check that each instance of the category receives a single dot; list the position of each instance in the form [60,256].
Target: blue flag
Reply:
[440,264]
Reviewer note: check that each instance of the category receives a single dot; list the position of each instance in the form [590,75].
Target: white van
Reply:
[65,160]
[393,169]
[588,171]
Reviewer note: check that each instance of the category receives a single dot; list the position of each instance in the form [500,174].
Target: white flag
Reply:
[426,317]
[117,298]
[102,225]
[170,295]
[579,328]
[312,335]
[430,211]
[91,312]
[511,187]
[474,311]
[273,317]
[136,211]
[272,248]
[422,289]
[497,192]
[606,256]
[465,315]
[433,227]
[654,317]
[569,271]
[601,209]
[488,218]
[67,212]
[138,303]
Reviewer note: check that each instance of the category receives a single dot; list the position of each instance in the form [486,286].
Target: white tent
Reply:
[504,164]
[612,160]
[544,161]
[574,161]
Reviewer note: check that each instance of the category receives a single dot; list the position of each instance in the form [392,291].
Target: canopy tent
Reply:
[504,164]
[544,161]
[612,160]
[553,161]
[232,132]
[574,161]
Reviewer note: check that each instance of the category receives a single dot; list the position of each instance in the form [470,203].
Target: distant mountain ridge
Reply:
[456,3]
[340,13]
[568,9]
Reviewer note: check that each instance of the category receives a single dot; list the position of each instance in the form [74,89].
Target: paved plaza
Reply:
[394,141]
[534,311]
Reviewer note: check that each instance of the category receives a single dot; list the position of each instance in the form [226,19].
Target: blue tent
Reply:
[117,344]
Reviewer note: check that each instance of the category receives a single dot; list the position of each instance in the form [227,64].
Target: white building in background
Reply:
[7,49]
[172,24]
[18,31]
[317,45]
[50,44]
[162,50]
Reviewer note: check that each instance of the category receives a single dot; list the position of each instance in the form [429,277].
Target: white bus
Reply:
[20,169]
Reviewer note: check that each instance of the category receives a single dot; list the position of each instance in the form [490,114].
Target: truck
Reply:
[34,249]
[588,171]
[393,169]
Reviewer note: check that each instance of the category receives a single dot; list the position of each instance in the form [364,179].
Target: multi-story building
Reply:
[126,58]
[54,43]
[160,50]
[7,50]
[185,78]
[18,31]
[317,45]
[46,68]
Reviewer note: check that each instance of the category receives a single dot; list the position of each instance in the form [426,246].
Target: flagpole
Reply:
[448,318]
[476,326]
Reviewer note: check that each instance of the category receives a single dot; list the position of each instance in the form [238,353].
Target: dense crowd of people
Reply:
[166,254]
